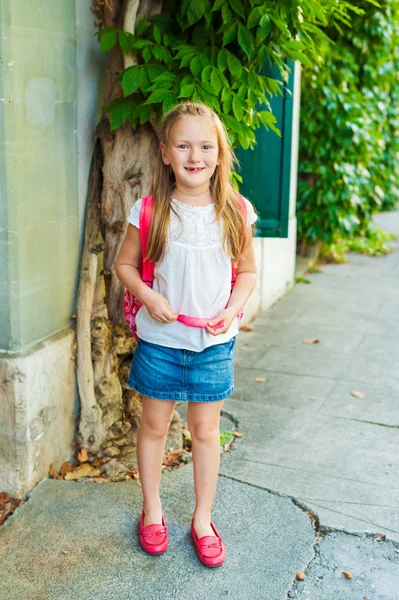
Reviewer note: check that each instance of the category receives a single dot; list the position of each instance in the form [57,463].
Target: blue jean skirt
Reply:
[177,374]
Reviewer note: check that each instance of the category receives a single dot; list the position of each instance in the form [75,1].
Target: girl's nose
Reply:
[194,155]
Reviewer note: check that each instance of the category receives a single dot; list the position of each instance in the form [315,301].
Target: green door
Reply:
[266,169]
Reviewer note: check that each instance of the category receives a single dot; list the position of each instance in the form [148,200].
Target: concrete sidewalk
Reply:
[312,485]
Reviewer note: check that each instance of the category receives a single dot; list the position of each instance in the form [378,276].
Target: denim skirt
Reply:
[177,374]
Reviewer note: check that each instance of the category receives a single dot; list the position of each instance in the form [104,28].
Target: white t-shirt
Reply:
[194,276]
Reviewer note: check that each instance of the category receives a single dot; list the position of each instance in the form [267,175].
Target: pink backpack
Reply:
[131,304]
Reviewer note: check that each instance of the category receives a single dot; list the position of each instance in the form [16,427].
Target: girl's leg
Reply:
[203,420]
[156,419]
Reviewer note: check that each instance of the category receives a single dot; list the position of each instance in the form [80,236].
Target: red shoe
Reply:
[210,548]
[153,538]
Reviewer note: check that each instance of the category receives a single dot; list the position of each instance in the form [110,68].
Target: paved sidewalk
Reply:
[309,447]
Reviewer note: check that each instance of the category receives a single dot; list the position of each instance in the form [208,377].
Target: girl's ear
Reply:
[164,155]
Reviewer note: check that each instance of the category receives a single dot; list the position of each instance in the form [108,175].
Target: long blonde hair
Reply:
[224,196]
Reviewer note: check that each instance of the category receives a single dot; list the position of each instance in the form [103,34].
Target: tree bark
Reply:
[120,173]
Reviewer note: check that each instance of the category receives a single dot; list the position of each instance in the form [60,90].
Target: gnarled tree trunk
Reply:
[120,173]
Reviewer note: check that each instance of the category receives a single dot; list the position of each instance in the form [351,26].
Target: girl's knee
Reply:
[204,432]
[154,427]
[156,417]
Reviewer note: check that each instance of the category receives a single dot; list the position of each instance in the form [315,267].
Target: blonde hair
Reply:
[227,204]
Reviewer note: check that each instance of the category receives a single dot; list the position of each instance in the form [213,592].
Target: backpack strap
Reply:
[147,266]
[244,210]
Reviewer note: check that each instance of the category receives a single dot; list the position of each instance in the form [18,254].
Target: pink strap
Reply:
[198,321]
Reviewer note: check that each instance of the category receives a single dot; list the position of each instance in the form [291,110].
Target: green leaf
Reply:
[145,82]
[187,91]
[246,40]
[206,73]
[154,70]
[108,39]
[157,34]
[234,65]
[242,92]
[226,13]
[196,66]
[119,109]
[167,103]
[145,114]
[281,25]
[196,9]
[222,59]
[238,8]
[141,26]
[269,120]
[186,60]
[218,5]
[123,37]
[155,97]
[215,80]
[238,108]
[294,45]
[264,31]
[231,123]
[300,56]
[131,80]
[147,54]
[255,16]
[230,33]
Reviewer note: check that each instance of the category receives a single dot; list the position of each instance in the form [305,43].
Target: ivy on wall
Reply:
[349,141]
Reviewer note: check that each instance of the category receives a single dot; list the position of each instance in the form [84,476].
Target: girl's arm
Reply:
[246,274]
[127,264]
[127,269]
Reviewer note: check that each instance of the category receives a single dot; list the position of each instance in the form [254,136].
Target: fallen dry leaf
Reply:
[83,456]
[358,394]
[300,575]
[84,470]
[246,328]
[66,467]
[237,433]
[311,341]
[347,574]
[8,505]
[53,473]
[379,538]
[245,344]
[260,379]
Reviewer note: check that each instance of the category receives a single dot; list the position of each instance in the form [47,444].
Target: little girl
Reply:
[198,230]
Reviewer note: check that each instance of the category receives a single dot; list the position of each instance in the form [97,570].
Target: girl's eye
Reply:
[206,146]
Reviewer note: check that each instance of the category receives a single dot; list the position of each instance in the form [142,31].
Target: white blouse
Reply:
[194,276]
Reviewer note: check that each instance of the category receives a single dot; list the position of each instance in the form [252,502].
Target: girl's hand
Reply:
[158,307]
[227,315]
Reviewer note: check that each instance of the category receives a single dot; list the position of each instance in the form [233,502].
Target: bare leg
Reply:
[203,419]
[156,419]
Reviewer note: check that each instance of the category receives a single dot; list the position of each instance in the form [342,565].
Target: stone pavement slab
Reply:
[337,454]
[374,567]
[79,541]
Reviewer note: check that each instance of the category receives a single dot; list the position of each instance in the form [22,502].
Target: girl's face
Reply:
[192,151]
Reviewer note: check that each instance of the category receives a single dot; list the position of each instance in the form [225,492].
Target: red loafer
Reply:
[210,549]
[154,537]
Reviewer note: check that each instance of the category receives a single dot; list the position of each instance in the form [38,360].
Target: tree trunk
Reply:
[120,173]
